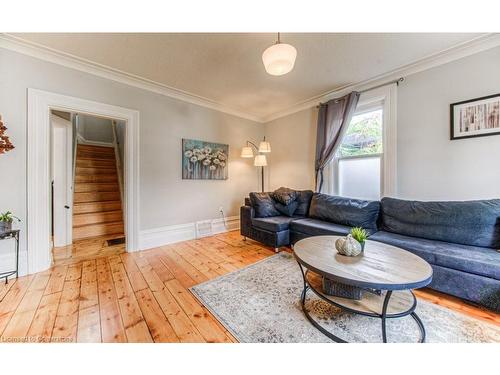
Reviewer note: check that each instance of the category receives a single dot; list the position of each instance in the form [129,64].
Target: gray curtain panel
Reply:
[333,119]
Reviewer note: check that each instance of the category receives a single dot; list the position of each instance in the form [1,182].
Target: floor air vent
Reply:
[203,228]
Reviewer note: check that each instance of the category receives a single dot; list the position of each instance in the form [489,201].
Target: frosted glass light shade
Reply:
[264,147]
[260,161]
[246,152]
[279,59]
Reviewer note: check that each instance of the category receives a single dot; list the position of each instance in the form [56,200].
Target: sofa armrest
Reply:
[247,213]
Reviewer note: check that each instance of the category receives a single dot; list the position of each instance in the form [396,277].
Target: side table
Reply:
[15,235]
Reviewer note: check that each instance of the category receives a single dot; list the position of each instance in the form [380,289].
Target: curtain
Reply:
[333,119]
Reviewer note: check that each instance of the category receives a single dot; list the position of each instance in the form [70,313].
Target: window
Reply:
[358,161]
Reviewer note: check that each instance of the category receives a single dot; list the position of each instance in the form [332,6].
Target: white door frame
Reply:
[38,185]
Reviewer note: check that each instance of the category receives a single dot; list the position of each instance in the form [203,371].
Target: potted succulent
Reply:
[6,220]
[360,235]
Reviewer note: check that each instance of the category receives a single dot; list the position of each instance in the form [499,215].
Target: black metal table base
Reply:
[14,234]
[383,315]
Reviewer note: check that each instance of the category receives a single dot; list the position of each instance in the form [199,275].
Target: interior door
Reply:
[62,177]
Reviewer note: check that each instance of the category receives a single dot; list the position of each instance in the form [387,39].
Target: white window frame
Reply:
[384,98]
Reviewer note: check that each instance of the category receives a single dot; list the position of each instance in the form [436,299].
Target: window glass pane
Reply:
[360,178]
[363,136]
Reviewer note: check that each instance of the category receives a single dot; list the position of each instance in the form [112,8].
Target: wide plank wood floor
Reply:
[99,293]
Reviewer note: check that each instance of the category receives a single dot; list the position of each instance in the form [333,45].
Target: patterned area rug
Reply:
[260,303]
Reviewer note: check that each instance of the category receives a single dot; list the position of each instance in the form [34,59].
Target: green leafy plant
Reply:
[359,234]
[8,217]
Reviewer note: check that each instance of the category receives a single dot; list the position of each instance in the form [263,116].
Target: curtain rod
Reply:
[396,81]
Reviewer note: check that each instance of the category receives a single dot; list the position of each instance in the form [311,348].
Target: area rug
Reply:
[261,303]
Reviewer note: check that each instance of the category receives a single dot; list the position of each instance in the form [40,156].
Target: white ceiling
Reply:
[227,68]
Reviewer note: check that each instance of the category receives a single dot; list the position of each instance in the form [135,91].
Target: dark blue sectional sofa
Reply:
[459,239]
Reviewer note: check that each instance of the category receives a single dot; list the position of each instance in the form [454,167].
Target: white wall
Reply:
[430,166]
[165,199]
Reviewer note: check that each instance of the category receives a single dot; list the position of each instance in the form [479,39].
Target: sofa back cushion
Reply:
[345,211]
[474,223]
[263,205]
[304,201]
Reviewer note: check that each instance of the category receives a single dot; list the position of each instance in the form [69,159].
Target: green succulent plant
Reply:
[359,234]
[8,217]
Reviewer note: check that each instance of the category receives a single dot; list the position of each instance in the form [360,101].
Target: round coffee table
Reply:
[386,274]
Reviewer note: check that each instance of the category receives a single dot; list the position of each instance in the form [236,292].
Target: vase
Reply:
[5,226]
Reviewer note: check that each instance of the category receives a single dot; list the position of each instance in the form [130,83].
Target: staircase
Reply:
[97,208]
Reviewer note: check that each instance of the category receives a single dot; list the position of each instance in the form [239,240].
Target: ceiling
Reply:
[227,68]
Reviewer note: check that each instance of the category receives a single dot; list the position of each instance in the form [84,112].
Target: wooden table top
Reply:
[380,266]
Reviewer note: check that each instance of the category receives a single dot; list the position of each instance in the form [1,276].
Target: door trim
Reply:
[38,180]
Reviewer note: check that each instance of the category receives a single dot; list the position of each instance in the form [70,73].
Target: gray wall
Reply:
[293,142]
[430,166]
[165,199]
[95,128]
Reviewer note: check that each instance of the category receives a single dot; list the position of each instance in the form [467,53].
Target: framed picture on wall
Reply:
[204,160]
[475,117]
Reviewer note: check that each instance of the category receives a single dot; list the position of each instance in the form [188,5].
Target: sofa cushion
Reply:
[272,224]
[472,259]
[263,205]
[474,223]
[288,210]
[284,195]
[345,211]
[316,227]
[304,200]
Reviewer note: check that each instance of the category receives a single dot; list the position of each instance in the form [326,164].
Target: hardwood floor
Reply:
[98,293]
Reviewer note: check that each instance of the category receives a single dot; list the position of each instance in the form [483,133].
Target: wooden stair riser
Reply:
[95,148]
[94,170]
[95,155]
[98,178]
[95,230]
[97,218]
[89,187]
[96,196]
[82,208]
[107,163]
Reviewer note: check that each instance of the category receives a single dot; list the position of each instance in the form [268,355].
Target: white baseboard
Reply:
[156,237]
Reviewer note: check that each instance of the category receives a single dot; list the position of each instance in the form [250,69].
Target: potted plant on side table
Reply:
[6,220]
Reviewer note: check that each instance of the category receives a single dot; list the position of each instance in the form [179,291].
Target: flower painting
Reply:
[204,160]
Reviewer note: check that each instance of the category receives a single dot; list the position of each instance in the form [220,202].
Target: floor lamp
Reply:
[260,159]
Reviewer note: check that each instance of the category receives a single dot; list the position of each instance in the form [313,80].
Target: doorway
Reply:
[39,187]
[87,186]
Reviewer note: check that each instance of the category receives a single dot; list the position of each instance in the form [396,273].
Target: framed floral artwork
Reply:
[204,160]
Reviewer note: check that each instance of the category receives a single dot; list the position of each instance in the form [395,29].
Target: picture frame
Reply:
[203,160]
[477,117]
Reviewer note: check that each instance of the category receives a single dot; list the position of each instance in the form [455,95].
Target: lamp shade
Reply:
[246,152]
[260,161]
[279,59]
[264,147]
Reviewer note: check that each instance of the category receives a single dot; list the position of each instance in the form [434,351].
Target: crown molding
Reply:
[41,52]
[471,47]
[479,44]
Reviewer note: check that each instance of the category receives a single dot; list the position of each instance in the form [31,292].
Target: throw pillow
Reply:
[287,210]
[284,195]
[304,200]
[263,205]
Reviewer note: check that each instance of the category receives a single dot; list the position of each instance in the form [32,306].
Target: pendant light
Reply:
[279,59]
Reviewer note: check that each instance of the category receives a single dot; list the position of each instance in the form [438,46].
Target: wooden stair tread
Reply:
[97,207]
[86,187]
